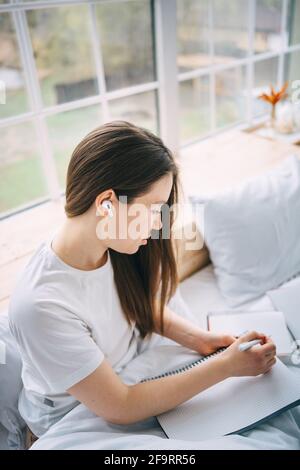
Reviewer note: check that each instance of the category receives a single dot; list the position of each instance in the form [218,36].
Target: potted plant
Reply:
[273,98]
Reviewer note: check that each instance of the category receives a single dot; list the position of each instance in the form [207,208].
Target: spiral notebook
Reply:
[237,404]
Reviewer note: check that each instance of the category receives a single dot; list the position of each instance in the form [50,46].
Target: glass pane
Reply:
[125,29]
[292,69]
[230,33]
[21,173]
[293,21]
[11,73]
[66,130]
[63,53]
[267,25]
[139,109]
[192,34]
[194,108]
[231,95]
[265,74]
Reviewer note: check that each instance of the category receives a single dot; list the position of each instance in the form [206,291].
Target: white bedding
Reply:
[81,429]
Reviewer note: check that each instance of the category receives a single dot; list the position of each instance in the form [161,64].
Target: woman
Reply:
[106,275]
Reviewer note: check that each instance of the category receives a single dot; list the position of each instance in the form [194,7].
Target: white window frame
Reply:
[248,61]
[38,112]
[166,85]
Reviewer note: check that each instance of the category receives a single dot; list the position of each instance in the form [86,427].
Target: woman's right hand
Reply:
[255,361]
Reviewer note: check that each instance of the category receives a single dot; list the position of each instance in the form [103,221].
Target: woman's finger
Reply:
[271,362]
[268,348]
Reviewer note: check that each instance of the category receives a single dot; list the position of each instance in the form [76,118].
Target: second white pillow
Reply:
[253,232]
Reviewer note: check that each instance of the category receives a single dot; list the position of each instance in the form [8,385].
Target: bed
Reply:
[81,429]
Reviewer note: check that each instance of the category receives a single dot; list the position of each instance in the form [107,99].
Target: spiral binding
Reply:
[186,367]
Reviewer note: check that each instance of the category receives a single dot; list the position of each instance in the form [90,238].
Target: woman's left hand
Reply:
[210,342]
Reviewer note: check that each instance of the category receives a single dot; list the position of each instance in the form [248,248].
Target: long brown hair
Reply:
[128,159]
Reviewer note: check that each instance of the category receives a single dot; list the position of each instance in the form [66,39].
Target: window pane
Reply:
[11,73]
[231,95]
[265,74]
[230,19]
[139,109]
[63,53]
[21,174]
[292,69]
[125,30]
[194,108]
[66,130]
[268,25]
[192,34]
[293,21]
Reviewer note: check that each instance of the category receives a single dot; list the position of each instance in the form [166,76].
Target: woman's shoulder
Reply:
[36,272]
[40,284]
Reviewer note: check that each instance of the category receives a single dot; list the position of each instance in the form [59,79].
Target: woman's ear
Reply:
[103,203]
[104,208]
[98,211]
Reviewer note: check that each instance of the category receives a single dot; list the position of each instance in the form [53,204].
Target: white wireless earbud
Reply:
[108,205]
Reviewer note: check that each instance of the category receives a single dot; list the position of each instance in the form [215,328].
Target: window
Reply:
[265,72]
[11,70]
[67,68]
[62,48]
[292,23]
[230,96]
[186,68]
[230,30]
[66,129]
[22,177]
[194,104]
[292,66]
[126,40]
[230,52]
[140,109]
[193,35]
[268,25]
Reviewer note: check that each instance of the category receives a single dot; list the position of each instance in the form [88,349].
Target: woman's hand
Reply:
[209,342]
[255,361]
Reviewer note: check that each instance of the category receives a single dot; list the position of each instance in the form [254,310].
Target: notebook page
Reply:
[232,405]
[271,323]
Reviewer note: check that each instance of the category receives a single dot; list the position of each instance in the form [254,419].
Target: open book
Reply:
[234,405]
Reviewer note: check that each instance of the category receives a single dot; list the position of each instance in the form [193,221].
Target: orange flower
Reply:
[275,96]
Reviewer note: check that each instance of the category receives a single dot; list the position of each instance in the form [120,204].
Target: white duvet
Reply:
[81,429]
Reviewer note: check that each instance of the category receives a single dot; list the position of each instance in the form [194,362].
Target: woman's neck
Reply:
[76,243]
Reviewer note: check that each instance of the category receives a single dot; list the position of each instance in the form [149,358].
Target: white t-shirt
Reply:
[65,321]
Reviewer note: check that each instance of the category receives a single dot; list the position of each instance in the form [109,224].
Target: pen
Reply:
[248,344]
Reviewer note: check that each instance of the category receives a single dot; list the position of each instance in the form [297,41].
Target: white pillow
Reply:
[253,232]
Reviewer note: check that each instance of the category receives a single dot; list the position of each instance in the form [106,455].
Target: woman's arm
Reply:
[189,334]
[106,395]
